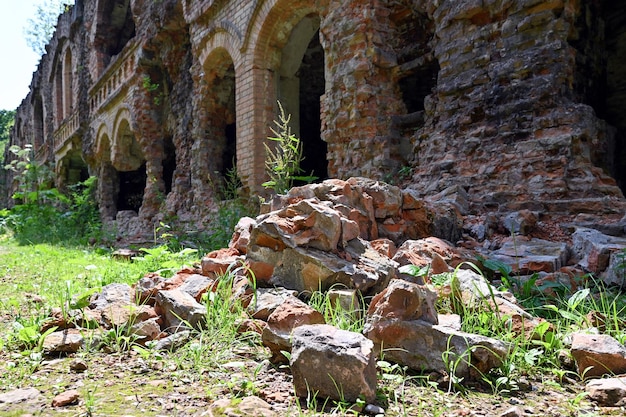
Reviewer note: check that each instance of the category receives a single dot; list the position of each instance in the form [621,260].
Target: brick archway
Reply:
[269,33]
[216,143]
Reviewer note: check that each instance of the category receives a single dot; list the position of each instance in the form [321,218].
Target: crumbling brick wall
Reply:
[490,96]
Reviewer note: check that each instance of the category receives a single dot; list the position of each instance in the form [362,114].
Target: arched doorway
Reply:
[128,160]
[220,127]
[300,88]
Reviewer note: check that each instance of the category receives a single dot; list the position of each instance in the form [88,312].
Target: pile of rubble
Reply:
[352,239]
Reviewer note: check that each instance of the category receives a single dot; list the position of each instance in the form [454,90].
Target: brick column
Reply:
[361,96]
[256,101]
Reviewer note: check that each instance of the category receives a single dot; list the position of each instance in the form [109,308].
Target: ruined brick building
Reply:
[520,103]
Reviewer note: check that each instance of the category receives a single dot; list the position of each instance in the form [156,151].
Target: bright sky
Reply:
[17,60]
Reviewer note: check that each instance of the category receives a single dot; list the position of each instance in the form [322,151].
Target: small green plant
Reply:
[153,89]
[282,162]
[162,260]
[351,318]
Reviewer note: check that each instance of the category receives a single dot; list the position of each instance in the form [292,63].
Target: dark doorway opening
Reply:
[131,188]
[418,84]
[312,86]
[169,164]
[615,35]
[77,170]
[229,155]
[600,78]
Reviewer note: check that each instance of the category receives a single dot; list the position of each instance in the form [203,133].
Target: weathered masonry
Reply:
[519,103]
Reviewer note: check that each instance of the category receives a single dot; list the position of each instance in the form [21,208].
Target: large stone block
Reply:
[333,363]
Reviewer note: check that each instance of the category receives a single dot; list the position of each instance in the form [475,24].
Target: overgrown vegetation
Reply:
[44,214]
[282,162]
[7,119]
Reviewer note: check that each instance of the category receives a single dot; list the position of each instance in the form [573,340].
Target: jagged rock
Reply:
[251,325]
[447,223]
[219,261]
[475,291]
[521,222]
[65,341]
[180,309]
[385,247]
[513,412]
[111,294]
[597,354]
[310,269]
[601,254]
[333,363]
[452,321]
[267,300]
[19,395]
[78,365]
[242,290]
[347,301]
[406,301]
[281,323]
[308,223]
[474,286]
[56,319]
[421,252]
[66,398]
[147,329]
[416,214]
[455,195]
[423,346]
[400,321]
[607,392]
[246,407]
[196,285]
[386,198]
[241,236]
[119,315]
[178,278]
[349,199]
[173,341]
[527,256]
[114,306]
[147,287]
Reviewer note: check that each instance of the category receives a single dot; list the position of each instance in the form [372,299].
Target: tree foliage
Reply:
[7,119]
[40,28]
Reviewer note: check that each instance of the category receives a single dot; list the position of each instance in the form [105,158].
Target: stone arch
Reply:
[108,179]
[219,114]
[222,34]
[57,92]
[103,143]
[71,169]
[68,83]
[128,159]
[288,46]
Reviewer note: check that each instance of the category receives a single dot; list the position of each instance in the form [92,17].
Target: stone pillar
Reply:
[361,94]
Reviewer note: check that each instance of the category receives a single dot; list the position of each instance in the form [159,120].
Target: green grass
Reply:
[60,275]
